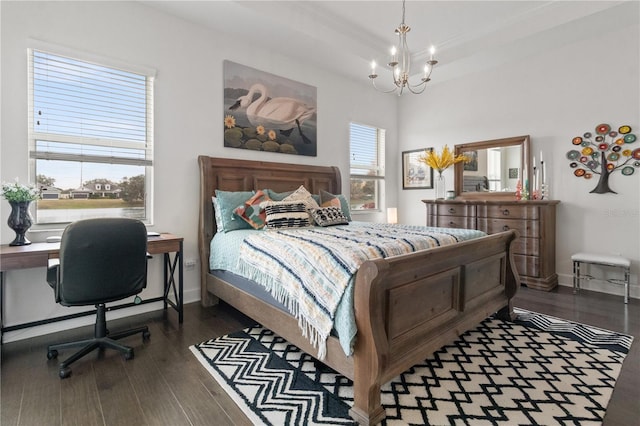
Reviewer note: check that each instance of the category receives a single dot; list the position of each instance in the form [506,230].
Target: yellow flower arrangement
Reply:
[443,161]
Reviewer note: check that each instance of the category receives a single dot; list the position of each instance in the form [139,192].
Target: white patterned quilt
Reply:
[310,270]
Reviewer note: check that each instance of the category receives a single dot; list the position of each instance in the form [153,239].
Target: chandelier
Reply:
[401,64]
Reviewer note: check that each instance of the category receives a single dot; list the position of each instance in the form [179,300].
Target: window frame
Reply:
[378,169]
[35,136]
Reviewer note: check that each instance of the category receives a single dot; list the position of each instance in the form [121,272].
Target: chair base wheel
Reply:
[146,336]
[128,355]
[64,373]
[52,354]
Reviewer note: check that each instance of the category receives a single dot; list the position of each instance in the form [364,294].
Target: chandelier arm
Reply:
[417,92]
[383,90]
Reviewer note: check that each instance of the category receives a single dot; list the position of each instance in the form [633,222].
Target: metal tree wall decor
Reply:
[601,157]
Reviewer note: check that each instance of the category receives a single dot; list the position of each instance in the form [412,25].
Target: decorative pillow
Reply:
[329,216]
[216,212]
[330,200]
[251,211]
[228,201]
[301,194]
[277,196]
[284,214]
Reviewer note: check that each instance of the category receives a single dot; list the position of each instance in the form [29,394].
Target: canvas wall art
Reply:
[266,112]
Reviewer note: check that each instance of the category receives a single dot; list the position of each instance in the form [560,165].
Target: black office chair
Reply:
[101,260]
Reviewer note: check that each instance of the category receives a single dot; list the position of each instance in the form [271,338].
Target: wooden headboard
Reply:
[228,174]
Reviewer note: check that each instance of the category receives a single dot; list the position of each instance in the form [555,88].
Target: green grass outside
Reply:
[86,204]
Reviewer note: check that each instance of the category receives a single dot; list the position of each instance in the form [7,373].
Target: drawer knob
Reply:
[505,212]
[452,210]
[505,228]
[451,224]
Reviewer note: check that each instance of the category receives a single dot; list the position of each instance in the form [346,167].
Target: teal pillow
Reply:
[227,202]
[277,196]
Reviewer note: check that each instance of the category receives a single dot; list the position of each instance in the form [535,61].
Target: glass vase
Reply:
[20,221]
[440,187]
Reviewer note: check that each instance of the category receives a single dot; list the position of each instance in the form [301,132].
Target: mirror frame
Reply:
[493,143]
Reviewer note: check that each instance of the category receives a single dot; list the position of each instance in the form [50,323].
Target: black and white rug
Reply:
[538,370]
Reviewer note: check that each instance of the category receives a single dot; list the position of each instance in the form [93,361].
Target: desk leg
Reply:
[170,281]
[1,305]
[181,284]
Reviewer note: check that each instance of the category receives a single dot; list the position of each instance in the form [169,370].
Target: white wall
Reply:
[188,119]
[553,96]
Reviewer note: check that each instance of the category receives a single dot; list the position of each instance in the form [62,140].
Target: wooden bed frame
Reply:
[406,307]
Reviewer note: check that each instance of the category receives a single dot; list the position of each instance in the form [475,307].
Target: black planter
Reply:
[20,221]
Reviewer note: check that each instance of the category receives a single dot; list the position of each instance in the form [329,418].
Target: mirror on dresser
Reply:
[494,169]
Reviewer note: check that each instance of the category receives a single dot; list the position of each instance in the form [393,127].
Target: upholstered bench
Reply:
[601,259]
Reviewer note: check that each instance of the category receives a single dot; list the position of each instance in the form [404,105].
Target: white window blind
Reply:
[87,112]
[367,151]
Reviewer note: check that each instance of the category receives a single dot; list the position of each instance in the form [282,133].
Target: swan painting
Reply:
[278,113]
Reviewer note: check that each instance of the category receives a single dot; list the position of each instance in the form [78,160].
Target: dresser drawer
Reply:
[526,228]
[528,246]
[527,265]
[456,210]
[456,222]
[507,211]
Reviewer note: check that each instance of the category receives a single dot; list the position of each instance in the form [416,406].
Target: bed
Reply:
[406,307]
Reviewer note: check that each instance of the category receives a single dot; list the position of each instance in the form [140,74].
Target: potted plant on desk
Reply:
[19,197]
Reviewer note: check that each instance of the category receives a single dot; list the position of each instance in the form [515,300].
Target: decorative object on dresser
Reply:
[490,180]
[441,162]
[597,156]
[535,220]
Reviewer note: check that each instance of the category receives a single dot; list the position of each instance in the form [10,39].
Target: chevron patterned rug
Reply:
[539,370]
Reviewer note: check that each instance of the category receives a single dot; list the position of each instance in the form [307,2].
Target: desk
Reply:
[38,255]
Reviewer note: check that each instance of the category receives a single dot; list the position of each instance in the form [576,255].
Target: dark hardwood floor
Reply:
[165,385]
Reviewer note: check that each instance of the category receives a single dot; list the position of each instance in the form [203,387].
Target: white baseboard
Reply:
[189,296]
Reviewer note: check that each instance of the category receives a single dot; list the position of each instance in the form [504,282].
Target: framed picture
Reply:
[513,173]
[416,174]
[269,113]
[472,164]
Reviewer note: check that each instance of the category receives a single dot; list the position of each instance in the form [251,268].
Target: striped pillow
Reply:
[283,214]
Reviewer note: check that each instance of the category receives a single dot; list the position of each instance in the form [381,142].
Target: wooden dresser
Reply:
[535,250]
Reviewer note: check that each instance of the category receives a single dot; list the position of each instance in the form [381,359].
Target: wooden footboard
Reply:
[407,307]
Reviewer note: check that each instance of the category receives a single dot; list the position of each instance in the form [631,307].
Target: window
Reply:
[90,139]
[367,166]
